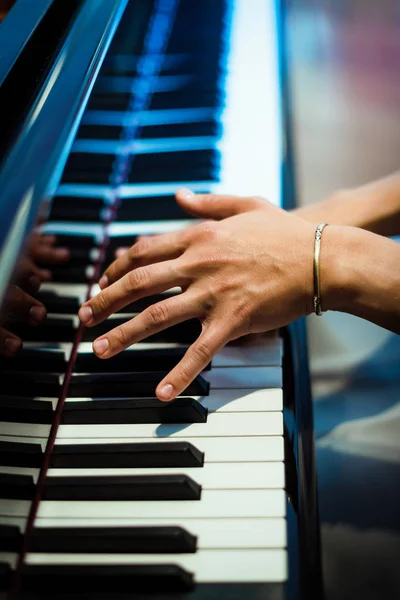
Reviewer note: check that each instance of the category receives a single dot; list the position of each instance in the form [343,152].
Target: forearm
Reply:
[375,207]
[360,275]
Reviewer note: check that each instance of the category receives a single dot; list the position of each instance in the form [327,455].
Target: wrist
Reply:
[341,249]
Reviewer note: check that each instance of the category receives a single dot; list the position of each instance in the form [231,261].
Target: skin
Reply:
[19,304]
[252,261]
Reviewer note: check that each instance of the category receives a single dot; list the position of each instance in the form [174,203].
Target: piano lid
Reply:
[33,164]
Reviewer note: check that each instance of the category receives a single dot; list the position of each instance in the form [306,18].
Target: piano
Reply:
[108,106]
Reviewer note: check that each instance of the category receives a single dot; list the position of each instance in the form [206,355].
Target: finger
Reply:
[138,283]
[29,276]
[214,206]
[154,319]
[120,252]
[22,305]
[10,344]
[147,250]
[50,255]
[195,360]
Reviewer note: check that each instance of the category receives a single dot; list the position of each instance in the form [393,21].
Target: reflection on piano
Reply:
[105,491]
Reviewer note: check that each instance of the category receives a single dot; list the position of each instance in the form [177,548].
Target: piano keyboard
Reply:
[189,497]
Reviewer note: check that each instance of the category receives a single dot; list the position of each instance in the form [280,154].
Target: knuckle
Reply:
[100,304]
[136,279]
[208,230]
[140,249]
[158,315]
[201,351]
[121,337]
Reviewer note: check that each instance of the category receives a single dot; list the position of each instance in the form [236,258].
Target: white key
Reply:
[76,290]
[213,476]
[21,471]
[147,146]
[211,533]
[243,400]
[24,440]
[235,566]
[213,504]
[9,558]
[232,400]
[19,522]
[149,117]
[245,449]
[27,430]
[146,227]
[71,228]
[267,352]
[245,377]
[15,508]
[218,425]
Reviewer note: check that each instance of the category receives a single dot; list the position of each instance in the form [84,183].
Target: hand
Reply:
[43,251]
[250,272]
[18,304]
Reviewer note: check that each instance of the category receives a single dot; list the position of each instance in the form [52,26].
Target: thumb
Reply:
[214,206]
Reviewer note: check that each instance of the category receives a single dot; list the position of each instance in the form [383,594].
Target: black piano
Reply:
[107,107]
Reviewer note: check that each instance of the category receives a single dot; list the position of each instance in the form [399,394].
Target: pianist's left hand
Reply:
[248,270]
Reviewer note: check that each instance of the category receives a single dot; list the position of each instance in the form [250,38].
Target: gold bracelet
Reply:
[317,251]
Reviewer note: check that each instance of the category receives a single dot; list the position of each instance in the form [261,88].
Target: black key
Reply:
[119,540]
[35,359]
[175,130]
[178,173]
[126,455]
[127,385]
[17,454]
[146,359]
[156,160]
[81,214]
[129,487]
[182,333]
[113,579]
[77,202]
[16,487]
[151,208]
[68,274]
[148,410]
[25,410]
[59,304]
[75,241]
[6,576]
[85,161]
[121,241]
[143,303]
[52,330]
[100,132]
[30,384]
[10,538]
[186,99]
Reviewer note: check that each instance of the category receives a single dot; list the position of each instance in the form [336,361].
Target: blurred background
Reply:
[344,66]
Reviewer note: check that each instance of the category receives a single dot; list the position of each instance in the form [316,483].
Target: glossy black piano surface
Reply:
[106,492]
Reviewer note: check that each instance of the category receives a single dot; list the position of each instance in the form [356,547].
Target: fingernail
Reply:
[34,282]
[103,283]
[120,252]
[185,193]
[100,346]
[165,393]
[37,314]
[12,345]
[45,275]
[62,253]
[85,314]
